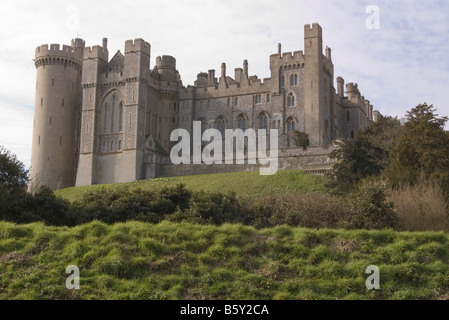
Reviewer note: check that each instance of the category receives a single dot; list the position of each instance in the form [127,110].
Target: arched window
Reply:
[112,145]
[221,125]
[241,122]
[282,82]
[228,103]
[263,121]
[114,104]
[121,118]
[290,100]
[292,80]
[291,124]
[105,129]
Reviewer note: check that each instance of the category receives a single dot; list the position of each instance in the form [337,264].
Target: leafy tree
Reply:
[367,155]
[13,176]
[422,151]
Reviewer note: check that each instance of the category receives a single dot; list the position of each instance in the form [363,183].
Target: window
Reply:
[291,124]
[268,98]
[228,103]
[236,101]
[52,82]
[221,125]
[282,82]
[290,100]
[114,103]
[241,122]
[112,145]
[263,121]
[296,79]
[292,80]
[121,118]
[258,99]
[120,144]
[105,119]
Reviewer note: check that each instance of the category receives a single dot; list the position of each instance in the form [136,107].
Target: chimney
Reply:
[279,48]
[223,70]
[340,87]
[245,68]
[105,44]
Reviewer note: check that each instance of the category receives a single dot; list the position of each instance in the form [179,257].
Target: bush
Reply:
[370,208]
[421,207]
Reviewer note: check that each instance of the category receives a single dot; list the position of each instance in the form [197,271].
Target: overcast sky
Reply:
[398,66]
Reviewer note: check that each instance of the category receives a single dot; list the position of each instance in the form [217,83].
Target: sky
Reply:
[397,51]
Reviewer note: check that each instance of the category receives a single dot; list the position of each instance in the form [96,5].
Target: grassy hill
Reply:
[243,183]
[136,260]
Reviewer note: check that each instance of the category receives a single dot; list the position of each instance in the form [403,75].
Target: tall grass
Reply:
[421,207]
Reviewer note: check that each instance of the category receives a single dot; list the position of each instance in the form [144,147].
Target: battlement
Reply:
[137,45]
[166,62]
[96,52]
[313,31]
[54,50]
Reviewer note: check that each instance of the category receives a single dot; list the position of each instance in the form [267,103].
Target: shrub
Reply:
[370,208]
[421,207]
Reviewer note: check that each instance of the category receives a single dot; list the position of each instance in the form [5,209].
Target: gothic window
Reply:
[241,122]
[114,104]
[105,119]
[263,121]
[221,125]
[258,99]
[121,118]
[290,100]
[291,124]
[282,82]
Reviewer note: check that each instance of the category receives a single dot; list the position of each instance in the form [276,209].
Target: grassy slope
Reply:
[243,183]
[175,261]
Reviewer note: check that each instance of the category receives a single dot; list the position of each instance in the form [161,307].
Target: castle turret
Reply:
[340,87]
[56,115]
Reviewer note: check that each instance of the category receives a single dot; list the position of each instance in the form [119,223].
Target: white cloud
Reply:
[402,64]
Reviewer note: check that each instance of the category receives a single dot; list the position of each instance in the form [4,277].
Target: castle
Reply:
[106,120]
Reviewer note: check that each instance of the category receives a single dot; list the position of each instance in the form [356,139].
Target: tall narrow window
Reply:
[291,125]
[268,98]
[105,119]
[42,102]
[242,122]
[263,122]
[221,124]
[112,145]
[228,103]
[52,82]
[292,80]
[114,103]
[296,79]
[120,144]
[290,100]
[121,117]
[282,82]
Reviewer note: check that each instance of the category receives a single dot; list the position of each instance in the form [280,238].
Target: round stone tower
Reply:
[56,115]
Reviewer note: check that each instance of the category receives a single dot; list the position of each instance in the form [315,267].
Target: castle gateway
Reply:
[101,119]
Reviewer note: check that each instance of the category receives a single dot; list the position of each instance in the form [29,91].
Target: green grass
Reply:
[136,260]
[243,183]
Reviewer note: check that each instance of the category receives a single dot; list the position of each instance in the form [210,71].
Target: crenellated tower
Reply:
[56,115]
